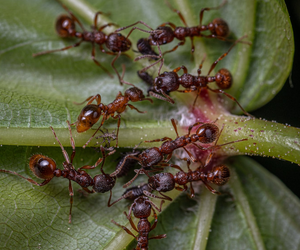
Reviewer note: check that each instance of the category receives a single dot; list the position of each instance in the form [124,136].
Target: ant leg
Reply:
[157,237]
[157,197]
[131,222]
[192,191]
[87,190]
[212,8]
[162,139]
[158,209]
[56,50]
[27,179]
[97,63]
[175,126]
[66,156]
[132,180]
[132,107]
[220,91]
[168,23]
[185,71]
[201,65]
[72,142]
[224,55]
[91,167]
[190,155]
[176,166]
[102,122]
[124,228]
[90,100]
[178,13]
[210,188]
[141,22]
[175,48]
[71,200]
[107,25]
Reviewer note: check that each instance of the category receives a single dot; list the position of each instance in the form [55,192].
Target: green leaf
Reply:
[38,92]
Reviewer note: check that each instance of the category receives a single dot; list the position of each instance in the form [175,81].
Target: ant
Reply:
[116,43]
[91,113]
[44,168]
[141,208]
[206,133]
[218,28]
[164,182]
[170,81]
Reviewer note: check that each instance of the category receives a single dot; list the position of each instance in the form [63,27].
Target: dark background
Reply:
[285,108]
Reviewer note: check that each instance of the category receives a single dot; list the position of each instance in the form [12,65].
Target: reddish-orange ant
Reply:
[44,168]
[114,42]
[91,113]
[170,81]
[206,133]
[141,208]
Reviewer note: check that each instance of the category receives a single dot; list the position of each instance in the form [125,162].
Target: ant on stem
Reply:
[141,208]
[206,133]
[44,168]
[170,81]
[91,113]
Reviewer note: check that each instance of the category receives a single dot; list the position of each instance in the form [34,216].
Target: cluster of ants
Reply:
[153,159]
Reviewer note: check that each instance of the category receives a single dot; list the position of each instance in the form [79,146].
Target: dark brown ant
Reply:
[91,113]
[170,81]
[206,133]
[218,29]
[114,42]
[164,182]
[141,208]
[44,168]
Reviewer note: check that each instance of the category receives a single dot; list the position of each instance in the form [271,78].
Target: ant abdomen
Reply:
[103,183]
[162,182]
[224,79]
[219,175]
[219,27]
[65,26]
[166,82]
[42,166]
[117,42]
[207,133]
[88,116]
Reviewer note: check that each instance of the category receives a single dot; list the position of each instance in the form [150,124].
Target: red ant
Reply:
[44,168]
[91,113]
[114,42]
[141,208]
[170,81]
[206,133]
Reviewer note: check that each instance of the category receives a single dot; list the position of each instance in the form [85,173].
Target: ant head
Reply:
[219,27]
[103,183]
[65,26]
[207,133]
[116,42]
[88,116]
[142,207]
[220,175]
[42,166]
[162,182]
[167,82]
[162,35]
[134,94]
[224,79]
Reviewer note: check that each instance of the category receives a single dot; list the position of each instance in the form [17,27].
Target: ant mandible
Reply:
[114,42]
[44,168]
[141,208]
[170,81]
[91,113]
